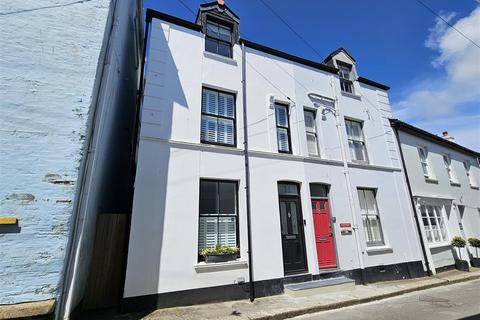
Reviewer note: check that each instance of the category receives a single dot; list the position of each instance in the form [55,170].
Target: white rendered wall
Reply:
[171,161]
[442,192]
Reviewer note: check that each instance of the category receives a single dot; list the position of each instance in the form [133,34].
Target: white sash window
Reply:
[370,217]
[311,131]
[434,223]
[283,128]
[356,141]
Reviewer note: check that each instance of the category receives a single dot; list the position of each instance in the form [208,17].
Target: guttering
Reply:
[373,83]
[247,177]
[412,201]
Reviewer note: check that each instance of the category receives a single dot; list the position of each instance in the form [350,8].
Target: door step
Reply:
[320,286]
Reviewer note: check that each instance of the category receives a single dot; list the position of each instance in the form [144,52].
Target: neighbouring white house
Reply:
[293,161]
[444,180]
[69,75]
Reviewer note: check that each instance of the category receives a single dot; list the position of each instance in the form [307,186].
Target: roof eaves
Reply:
[175,20]
[288,56]
[403,126]
[373,83]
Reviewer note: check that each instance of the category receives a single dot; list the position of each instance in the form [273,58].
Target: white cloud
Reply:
[438,104]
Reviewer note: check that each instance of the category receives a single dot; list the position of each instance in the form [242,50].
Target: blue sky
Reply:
[433,72]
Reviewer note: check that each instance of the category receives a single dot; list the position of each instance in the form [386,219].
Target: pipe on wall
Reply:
[247,176]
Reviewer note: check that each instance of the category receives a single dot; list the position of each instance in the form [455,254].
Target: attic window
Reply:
[218,39]
[345,73]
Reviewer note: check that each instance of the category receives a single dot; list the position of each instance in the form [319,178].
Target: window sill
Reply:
[474,187]
[379,249]
[430,180]
[203,267]
[455,184]
[220,58]
[351,95]
[438,245]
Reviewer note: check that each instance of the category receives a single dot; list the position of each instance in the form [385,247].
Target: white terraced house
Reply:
[290,160]
[444,180]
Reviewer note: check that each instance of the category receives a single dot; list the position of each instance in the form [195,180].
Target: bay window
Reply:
[218,221]
[434,223]
[218,117]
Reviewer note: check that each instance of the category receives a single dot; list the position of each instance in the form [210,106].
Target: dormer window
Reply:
[218,39]
[345,73]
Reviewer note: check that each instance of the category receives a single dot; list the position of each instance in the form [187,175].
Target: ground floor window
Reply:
[218,221]
[370,217]
[434,223]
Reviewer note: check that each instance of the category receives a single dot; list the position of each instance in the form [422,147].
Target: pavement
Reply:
[288,306]
[457,301]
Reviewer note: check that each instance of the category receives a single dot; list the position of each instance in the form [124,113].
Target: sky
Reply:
[433,71]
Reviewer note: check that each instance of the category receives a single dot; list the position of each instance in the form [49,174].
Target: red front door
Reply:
[323,234]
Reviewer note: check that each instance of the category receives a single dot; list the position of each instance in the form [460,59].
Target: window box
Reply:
[215,258]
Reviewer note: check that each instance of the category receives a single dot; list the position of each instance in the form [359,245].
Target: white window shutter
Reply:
[209,129]
[225,131]
[225,105]
[209,101]
[208,232]
[227,231]
[282,137]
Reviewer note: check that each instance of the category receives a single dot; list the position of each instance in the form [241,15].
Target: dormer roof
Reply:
[217,7]
[334,53]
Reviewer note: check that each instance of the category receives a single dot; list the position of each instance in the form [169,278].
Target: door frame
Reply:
[332,224]
[299,201]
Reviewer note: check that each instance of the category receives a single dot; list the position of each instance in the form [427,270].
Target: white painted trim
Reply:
[217,57]
[203,267]
[386,249]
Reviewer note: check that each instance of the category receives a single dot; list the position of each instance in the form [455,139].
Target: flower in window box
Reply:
[220,253]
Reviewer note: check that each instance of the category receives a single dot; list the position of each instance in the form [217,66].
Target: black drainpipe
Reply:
[412,201]
[247,176]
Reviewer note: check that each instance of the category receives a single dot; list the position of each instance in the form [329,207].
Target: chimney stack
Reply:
[447,137]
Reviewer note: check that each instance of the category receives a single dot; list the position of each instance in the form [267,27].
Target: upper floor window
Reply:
[311,131]
[427,170]
[471,178]
[283,128]
[218,39]
[434,223]
[345,73]
[370,217]
[218,225]
[448,166]
[356,141]
[218,117]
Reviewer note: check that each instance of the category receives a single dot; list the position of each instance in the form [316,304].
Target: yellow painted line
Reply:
[8,220]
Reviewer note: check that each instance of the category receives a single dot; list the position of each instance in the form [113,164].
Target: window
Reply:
[471,178]
[345,72]
[218,118]
[433,223]
[356,141]
[311,130]
[423,154]
[370,217]
[218,39]
[218,214]
[283,130]
[448,166]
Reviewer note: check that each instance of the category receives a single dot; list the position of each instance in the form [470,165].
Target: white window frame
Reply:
[283,127]
[471,179]
[345,75]
[424,162]
[310,132]
[366,218]
[447,160]
[434,213]
[352,141]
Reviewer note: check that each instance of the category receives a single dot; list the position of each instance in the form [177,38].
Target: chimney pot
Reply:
[221,2]
[445,133]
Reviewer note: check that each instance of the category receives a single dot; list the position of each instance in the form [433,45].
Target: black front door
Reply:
[293,243]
